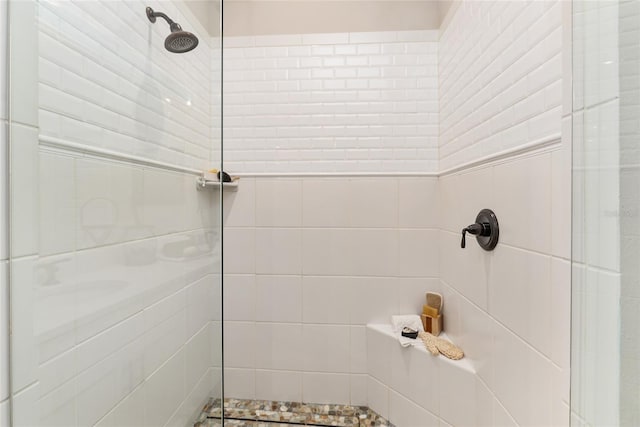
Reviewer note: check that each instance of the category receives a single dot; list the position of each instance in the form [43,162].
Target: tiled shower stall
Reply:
[363,146]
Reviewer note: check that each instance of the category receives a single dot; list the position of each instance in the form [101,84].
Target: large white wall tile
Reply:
[165,390]
[472,281]
[278,203]
[358,350]
[165,202]
[25,406]
[278,299]
[463,195]
[366,252]
[23,67]
[110,207]
[418,203]
[24,191]
[561,189]
[379,356]
[99,389]
[524,187]
[476,337]
[240,206]
[239,339]
[326,299]
[529,400]
[410,292]
[3,54]
[326,348]
[427,393]
[5,414]
[164,339]
[519,295]
[57,204]
[373,202]
[239,297]
[358,389]
[281,344]
[378,396]
[198,357]
[405,413]
[4,191]
[418,253]
[97,348]
[278,251]
[130,411]
[203,302]
[373,299]
[560,314]
[279,385]
[60,407]
[325,202]
[326,388]
[23,345]
[239,383]
[4,327]
[458,399]
[239,250]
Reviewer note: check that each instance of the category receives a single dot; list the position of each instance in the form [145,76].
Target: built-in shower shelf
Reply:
[203,183]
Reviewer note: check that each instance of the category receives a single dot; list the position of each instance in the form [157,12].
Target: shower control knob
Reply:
[475,229]
[485,229]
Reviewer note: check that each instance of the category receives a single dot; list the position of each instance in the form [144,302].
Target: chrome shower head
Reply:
[179,41]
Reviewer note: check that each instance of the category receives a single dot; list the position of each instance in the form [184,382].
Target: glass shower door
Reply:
[604,250]
[114,254]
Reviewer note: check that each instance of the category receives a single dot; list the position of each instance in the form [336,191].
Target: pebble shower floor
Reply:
[266,413]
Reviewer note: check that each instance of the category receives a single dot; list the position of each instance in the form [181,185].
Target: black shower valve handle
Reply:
[476,229]
[485,229]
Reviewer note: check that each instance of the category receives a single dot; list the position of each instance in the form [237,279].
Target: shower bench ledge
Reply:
[409,383]
[387,330]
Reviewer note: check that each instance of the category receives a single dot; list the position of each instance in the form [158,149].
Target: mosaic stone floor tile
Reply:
[213,422]
[266,413]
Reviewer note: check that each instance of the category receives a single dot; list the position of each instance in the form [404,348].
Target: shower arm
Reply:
[152,15]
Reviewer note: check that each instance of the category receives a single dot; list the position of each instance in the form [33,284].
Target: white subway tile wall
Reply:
[500,73]
[346,102]
[116,87]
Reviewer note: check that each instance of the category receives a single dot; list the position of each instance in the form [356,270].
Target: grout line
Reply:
[520,248]
[498,322]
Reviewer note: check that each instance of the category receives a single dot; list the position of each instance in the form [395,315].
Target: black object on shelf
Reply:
[409,333]
[225,177]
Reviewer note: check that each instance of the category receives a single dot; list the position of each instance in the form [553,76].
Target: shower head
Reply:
[179,41]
